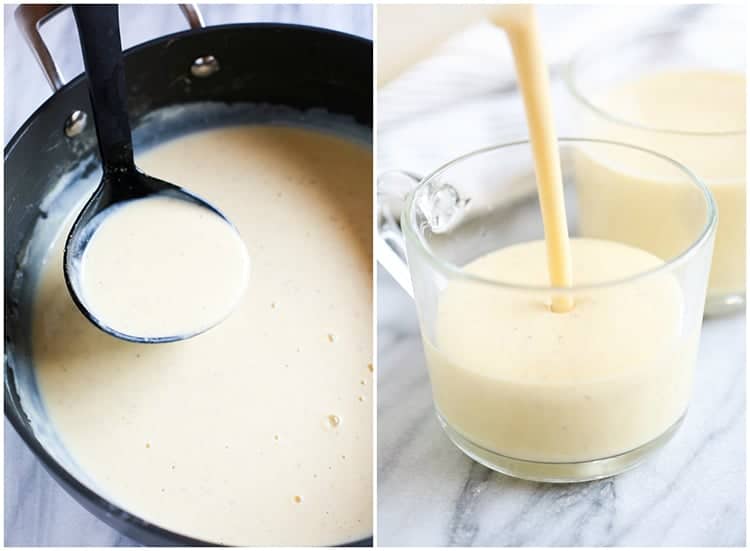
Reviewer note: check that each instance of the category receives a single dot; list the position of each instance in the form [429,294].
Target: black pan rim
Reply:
[166,38]
[12,414]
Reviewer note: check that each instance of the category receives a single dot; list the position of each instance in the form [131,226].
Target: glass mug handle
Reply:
[393,187]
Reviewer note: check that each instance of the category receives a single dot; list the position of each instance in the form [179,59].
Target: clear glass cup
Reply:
[604,106]
[601,420]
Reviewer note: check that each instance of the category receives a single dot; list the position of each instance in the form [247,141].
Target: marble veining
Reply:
[691,493]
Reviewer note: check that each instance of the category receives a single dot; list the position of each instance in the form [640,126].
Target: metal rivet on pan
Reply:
[75,123]
[204,66]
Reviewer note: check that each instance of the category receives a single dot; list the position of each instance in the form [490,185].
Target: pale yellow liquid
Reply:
[258,432]
[410,33]
[534,82]
[615,194]
[558,377]
[528,383]
[163,267]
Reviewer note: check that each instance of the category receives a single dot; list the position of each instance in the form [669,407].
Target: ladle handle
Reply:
[393,187]
[99,33]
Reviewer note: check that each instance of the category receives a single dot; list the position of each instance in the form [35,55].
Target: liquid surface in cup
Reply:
[163,267]
[704,113]
[528,383]
[260,430]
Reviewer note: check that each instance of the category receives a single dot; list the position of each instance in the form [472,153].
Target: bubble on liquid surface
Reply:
[331,421]
[442,206]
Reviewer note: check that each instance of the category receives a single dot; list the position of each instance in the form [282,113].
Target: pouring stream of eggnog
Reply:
[523,33]
[520,24]
[516,384]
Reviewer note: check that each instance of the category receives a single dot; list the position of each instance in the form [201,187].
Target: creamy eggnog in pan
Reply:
[259,431]
[163,266]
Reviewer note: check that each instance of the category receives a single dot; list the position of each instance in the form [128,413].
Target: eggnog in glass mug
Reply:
[680,92]
[523,389]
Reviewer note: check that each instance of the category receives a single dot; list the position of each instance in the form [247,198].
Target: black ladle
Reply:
[99,32]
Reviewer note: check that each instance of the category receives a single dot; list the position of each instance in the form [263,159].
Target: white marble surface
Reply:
[37,511]
[692,493]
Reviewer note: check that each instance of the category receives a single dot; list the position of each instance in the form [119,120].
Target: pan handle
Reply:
[30,17]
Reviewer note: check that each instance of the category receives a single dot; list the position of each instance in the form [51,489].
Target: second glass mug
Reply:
[623,384]
[715,151]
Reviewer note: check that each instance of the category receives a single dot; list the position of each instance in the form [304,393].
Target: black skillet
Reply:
[287,65]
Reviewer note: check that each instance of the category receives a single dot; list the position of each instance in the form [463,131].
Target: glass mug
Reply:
[603,102]
[620,387]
